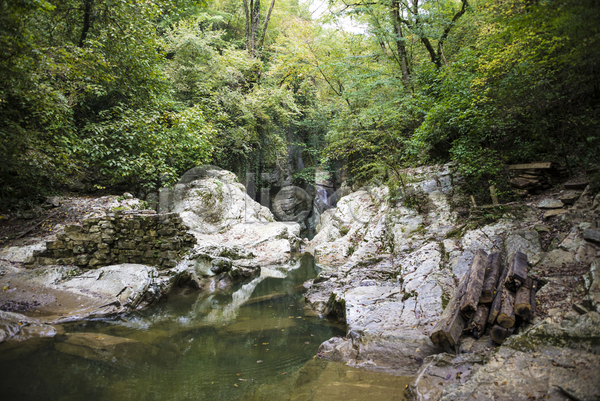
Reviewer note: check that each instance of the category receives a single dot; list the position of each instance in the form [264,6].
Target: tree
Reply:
[253,40]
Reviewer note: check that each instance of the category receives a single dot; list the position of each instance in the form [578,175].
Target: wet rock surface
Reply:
[62,294]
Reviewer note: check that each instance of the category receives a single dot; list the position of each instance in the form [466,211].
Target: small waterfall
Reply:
[322,193]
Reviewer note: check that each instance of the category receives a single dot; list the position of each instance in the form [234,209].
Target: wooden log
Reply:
[523,300]
[469,302]
[450,325]
[494,195]
[497,303]
[449,328]
[534,288]
[477,325]
[499,334]
[517,271]
[506,317]
[490,281]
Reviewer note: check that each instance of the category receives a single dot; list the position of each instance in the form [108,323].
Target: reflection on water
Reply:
[247,345]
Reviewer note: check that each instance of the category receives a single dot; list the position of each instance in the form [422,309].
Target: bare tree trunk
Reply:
[264,32]
[247,11]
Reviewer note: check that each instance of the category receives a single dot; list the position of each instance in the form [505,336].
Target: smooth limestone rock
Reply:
[386,273]
[227,223]
[62,294]
[212,201]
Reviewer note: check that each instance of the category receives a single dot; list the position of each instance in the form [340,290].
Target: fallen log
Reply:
[490,282]
[499,334]
[506,317]
[534,288]
[523,299]
[477,325]
[517,271]
[497,303]
[470,300]
[451,323]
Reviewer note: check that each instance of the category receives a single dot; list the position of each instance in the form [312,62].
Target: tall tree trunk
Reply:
[247,11]
[87,20]
[401,48]
[255,23]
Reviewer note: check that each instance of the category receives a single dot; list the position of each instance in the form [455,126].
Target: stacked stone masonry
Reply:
[152,239]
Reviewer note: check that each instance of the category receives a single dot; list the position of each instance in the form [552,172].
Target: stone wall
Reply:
[140,237]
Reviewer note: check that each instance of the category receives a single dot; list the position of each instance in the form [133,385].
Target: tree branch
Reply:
[459,14]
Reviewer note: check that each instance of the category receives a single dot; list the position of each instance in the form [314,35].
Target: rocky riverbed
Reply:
[386,269]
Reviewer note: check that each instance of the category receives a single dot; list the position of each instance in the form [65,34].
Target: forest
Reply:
[113,94]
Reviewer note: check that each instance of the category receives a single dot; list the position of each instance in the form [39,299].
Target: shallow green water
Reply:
[253,344]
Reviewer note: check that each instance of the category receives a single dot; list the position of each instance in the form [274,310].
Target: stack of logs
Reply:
[488,295]
[533,178]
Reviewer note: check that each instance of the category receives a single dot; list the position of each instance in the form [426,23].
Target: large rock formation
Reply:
[389,271]
[236,235]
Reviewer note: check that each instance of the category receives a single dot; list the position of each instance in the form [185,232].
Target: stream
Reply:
[254,344]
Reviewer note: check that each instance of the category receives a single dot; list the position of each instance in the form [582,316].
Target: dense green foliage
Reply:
[519,82]
[126,93]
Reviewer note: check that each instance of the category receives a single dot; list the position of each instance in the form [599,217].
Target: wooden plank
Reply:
[499,334]
[497,303]
[494,196]
[517,271]
[450,325]
[477,325]
[506,317]
[490,281]
[523,300]
[531,166]
[469,302]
